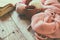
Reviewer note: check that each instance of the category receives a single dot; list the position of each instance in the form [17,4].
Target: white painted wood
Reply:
[8,25]
[22,26]
[15,36]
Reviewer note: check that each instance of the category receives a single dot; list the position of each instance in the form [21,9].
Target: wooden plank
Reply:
[8,25]
[22,26]
[16,35]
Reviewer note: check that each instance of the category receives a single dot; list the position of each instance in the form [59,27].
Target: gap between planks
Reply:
[22,26]
[9,26]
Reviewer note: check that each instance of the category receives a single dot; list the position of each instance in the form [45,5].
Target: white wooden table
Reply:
[12,27]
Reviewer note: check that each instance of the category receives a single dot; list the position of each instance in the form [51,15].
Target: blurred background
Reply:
[4,2]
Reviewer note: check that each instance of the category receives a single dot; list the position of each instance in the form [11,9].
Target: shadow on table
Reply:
[6,16]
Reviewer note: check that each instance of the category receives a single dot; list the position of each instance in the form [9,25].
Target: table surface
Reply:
[12,27]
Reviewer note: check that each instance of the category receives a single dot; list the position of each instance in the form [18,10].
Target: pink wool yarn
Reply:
[47,23]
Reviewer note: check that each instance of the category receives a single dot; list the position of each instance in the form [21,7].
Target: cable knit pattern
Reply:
[47,23]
